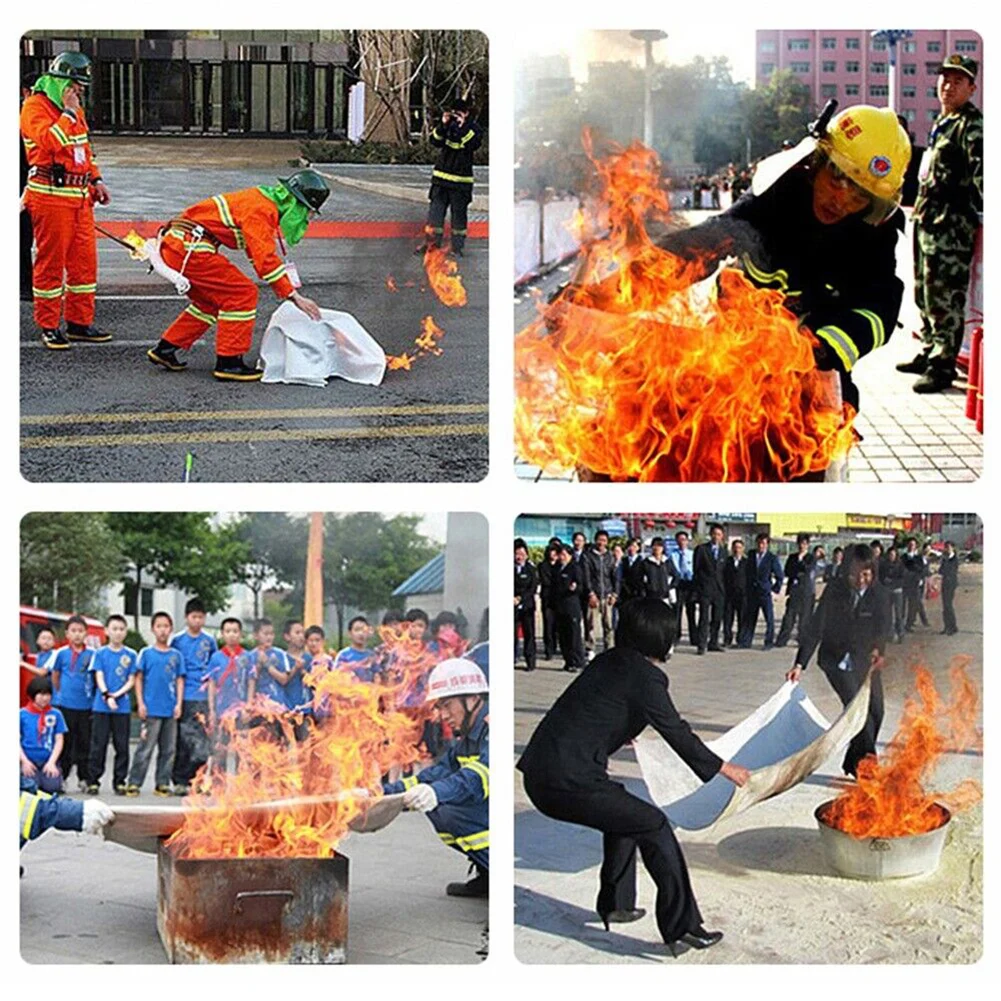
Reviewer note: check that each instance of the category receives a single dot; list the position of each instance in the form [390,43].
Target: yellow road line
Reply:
[436,409]
[241,437]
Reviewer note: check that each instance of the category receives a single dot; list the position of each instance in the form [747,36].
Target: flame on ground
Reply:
[638,372]
[889,800]
[322,782]
[391,284]
[443,277]
[426,343]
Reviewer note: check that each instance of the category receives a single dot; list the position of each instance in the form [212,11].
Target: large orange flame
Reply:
[443,276]
[426,343]
[323,781]
[640,371]
[889,800]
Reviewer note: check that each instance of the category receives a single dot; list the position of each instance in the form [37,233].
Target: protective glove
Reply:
[96,815]
[420,797]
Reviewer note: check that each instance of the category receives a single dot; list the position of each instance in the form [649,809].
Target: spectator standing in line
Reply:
[735,582]
[798,601]
[568,583]
[684,568]
[547,571]
[602,593]
[836,566]
[765,572]
[914,565]
[525,585]
[949,569]
[891,576]
[709,572]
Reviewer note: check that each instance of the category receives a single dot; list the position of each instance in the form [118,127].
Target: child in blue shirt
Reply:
[114,670]
[42,734]
[357,658]
[197,648]
[230,681]
[159,696]
[45,640]
[270,664]
[73,693]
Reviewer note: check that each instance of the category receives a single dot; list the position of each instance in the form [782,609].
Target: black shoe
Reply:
[701,651]
[527,669]
[79,332]
[698,939]
[935,380]
[54,340]
[232,368]
[165,355]
[918,365]
[768,646]
[621,917]
[717,649]
[93,789]
[121,789]
[782,643]
[478,886]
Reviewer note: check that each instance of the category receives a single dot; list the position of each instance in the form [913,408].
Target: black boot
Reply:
[935,379]
[81,332]
[918,365]
[165,355]
[478,886]
[232,368]
[54,340]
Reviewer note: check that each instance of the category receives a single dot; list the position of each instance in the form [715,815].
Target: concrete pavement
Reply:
[761,878]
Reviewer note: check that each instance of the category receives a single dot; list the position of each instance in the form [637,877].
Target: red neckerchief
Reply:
[231,666]
[40,713]
[74,657]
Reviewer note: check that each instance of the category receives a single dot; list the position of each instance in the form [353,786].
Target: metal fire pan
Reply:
[882,858]
[252,910]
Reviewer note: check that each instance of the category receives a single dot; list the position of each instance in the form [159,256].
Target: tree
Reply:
[183,549]
[276,549]
[66,559]
[776,113]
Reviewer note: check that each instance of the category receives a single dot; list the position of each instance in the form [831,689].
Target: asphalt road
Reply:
[103,412]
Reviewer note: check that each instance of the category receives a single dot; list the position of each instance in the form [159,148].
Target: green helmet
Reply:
[308,187]
[73,66]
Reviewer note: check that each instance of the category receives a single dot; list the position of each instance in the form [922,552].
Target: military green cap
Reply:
[73,66]
[308,187]
[962,63]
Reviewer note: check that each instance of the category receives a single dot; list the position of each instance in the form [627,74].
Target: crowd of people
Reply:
[721,189]
[717,589]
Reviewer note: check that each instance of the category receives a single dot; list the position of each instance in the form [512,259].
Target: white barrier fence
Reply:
[543,236]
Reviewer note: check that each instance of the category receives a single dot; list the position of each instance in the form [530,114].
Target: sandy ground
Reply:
[762,877]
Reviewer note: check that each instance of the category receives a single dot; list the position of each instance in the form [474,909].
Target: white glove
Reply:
[96,815]
[420,797]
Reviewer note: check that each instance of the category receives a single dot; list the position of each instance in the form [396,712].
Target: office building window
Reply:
[829,43]
[767,69]
[931,69]
[910,46]
[798,45]
[800,67]
[879,45]
[768,45]
[966,45]
[908,91]
[851,43]
[931,114]
[910,114]
[931,92]
[828,90]
[829,66]
[909,69]
[851,66]
[851,90]
[934,47]
[879,90]
[877,68]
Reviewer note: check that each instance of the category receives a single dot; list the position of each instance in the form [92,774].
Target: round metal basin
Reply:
[882,858]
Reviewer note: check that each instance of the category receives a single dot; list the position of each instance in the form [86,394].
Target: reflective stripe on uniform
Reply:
[461,144]
[477,842]
[242,314]
[477,767]
[47,293]
[82,289]
[200,314]
[192,246]
[410,781]
[780,277]
[61,137]
[26,811]
[273,276]
[48,189]
[878,330]
[841,343]
[451,177]
[227,218]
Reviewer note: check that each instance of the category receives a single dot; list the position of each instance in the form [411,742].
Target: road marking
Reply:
[164,416]
[243,437]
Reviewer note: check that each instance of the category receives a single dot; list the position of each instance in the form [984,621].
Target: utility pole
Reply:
[648,37]
[891,37]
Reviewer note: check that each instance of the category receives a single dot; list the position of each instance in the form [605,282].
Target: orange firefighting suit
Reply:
[220,291]
[59,198]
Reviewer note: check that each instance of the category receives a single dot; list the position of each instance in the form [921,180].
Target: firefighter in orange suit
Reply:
[63,184]
[260,221]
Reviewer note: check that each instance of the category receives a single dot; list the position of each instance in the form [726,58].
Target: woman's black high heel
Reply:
[698,939]
[621,917]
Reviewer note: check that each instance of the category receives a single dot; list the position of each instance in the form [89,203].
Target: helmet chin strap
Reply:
[467,713]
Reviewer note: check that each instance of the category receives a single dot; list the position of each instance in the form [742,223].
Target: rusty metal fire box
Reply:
[252,910]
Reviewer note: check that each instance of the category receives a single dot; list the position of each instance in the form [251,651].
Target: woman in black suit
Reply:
[565,768]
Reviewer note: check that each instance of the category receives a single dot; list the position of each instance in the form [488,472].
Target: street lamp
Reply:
[891,37]
[648,37]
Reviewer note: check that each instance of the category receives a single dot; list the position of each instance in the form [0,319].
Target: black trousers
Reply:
[628,823]
[525,617]
[710,620]
[758,601]
[948,610]
[115,725]
[76,743]
[687,605]
[846,684]
[915,608]
[549,639]
[735,607]
[193,745]
[799,605]
[447,199]
[568,629]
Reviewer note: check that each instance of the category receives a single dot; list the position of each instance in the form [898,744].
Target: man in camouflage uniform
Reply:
[946,219]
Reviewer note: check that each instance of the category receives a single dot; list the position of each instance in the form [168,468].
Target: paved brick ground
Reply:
[761,877]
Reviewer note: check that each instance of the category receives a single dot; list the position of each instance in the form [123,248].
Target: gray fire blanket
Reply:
[142,827]
[781,742]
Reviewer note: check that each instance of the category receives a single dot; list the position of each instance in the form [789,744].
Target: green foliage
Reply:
[340,151]
[276,551]
[135,639]
[66,559]
[781,111]
[975,556]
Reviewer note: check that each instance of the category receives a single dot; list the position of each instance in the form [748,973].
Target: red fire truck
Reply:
[34,619]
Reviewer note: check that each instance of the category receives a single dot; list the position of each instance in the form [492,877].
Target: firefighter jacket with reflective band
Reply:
[461,776]
[951,177]
[38,811]
[243,220]
[840,279]
[56,138]
[454,166]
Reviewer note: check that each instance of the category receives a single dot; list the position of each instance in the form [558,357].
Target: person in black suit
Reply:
[949,569]
[915,571]
[525,584]
[579,552]
[658,576]
[764,578]
[735,584]
[799,597]
[684,568]
[631,572]
[710,587]
[568,581]
[565,769]
[546,570]
[851,626]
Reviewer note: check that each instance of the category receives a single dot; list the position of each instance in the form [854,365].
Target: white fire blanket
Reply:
[142,827]
[781,742]
[307,352]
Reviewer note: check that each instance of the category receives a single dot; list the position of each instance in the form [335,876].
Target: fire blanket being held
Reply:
[458,137]
[258,221]
[454,792]
[63,184]
[820,225]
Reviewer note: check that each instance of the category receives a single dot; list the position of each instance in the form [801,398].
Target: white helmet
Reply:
[456,676]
